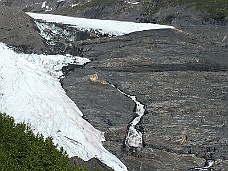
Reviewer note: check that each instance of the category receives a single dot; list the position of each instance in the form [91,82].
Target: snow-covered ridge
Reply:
[30,91]
[110,27]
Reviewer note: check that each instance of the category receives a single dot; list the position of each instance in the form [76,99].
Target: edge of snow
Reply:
[30,93]
[110,27]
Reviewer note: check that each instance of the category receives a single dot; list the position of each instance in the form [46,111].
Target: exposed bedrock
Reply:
[182,80]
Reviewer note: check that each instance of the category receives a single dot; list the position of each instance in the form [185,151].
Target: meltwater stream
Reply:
[134,137]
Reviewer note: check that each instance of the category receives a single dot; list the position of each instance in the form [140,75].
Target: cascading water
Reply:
[134,137]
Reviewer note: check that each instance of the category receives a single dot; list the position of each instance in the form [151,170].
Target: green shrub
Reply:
[22,150]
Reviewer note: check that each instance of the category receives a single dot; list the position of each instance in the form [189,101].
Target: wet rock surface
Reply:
[181,78]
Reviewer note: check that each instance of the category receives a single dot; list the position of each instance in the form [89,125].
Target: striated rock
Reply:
[181,78]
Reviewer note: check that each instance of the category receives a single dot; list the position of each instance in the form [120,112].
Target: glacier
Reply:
[31,92]
[109,27]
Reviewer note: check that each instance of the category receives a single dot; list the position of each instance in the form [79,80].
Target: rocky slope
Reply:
[18,29]
[108,9]
[181,75]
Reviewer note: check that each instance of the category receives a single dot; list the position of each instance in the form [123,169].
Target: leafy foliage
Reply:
[22,150]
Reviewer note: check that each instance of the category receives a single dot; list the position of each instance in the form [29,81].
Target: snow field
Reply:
[110,27]
[31,92]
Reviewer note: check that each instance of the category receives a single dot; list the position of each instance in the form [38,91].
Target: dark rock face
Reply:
[18,30]
[119,10]
[180,76]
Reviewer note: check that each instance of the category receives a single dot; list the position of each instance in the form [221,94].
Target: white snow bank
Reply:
[110,27]
[31,92]
[133,3]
